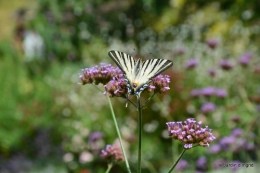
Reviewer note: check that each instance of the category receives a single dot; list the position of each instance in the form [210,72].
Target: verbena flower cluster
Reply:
[236,142]
[190,132]
[96,75]
[112,153]
[209,92]
[114,81]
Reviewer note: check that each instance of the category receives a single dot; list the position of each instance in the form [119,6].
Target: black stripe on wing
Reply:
[153,67]
[124,61]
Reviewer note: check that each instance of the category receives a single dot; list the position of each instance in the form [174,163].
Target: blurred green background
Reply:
[47,120]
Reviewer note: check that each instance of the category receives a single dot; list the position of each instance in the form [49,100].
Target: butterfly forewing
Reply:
[151,68]
[125,62]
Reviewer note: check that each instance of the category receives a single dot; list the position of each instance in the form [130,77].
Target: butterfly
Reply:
[137,73]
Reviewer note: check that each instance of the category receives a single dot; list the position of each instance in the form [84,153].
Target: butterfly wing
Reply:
[150,69]
[125,62]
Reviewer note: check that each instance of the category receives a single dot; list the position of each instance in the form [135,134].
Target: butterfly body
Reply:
[138,74]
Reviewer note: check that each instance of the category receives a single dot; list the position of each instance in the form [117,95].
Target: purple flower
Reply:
[190,132]
[116,87]
[202,164]
[195,93]
[208,107]
[212,72]
[245,59]
[112,153]
[214,149]
[180,51]
[221,93]
[95,136]
[159,84]
[217,164]
[96,75]
[235,165]
[226,64]
[212,43]
[208,91]
[226,142]
[182,165]
[192,63]
[237,132]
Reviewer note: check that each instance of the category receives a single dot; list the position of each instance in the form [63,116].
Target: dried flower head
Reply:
[96,75]
[226,64]
[212,43]
[112,153]
[190,132]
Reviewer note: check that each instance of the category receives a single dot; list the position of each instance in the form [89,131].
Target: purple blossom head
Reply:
[116,87]
[235,165]
[237,132]
[221,93]
[190,132]
[202,164]
[212,43]
[180,51]
[226,142]
[245,59]
[212,72]
[96,75]
[112,153]
[192,63]
[226,64]
[94,136]
[159,84]
[214,149]
[208,91]
[217,164]
[195,93]
[182,165]
[208,107]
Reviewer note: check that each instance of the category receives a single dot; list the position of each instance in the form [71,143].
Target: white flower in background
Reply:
[33,45]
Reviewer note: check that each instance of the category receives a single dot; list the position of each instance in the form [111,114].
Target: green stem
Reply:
[147,100]
[119,135]
[173,166]
[109,166]
[139,134]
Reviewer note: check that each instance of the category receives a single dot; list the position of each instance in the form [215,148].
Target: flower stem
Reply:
[176,162]
[109,166]
[119,135]
[147,100]
[139,134]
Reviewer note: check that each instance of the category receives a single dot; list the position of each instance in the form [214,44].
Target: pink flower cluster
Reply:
[112,153]
[190,132]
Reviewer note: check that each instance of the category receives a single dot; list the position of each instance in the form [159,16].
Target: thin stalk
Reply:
[109,166]
[147,100]
[119,135]
[139,134]
[176,162]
